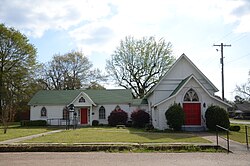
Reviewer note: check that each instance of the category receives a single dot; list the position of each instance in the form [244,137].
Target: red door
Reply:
[192,113]
[84,116]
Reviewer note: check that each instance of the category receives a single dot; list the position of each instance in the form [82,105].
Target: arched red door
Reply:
[192,108]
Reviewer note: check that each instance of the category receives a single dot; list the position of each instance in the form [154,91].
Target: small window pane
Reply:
[43,112]
[191,95]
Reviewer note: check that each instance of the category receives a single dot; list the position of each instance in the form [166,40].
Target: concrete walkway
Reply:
[234,146]
[15,140]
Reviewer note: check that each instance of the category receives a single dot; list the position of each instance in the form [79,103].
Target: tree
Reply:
[244,90]
[95,85]
[17,63]
[69,71]
[140,64]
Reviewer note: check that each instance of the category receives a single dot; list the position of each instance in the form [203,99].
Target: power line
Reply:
[222,65]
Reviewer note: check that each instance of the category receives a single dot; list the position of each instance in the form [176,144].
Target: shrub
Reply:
[140,118]
[117,117]
[33,123]
[234,128]
[216,116]
[175,117]
[95,123]
[149,127]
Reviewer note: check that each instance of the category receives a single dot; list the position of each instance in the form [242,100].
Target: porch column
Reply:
[90,115]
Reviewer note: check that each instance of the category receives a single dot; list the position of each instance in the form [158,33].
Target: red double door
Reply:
[84,116]
[192,113]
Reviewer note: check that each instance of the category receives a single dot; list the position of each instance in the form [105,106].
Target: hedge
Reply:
[33,123]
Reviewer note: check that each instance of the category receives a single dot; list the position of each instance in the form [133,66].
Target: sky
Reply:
[96,28]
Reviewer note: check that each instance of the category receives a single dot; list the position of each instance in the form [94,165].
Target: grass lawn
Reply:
[107,134]
[239,136]
[16,131]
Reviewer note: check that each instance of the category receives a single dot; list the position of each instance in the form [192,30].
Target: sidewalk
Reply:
[15,140]
[234,146]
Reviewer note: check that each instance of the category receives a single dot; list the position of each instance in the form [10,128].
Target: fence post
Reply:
[227,141]
[246,128]
[217,140]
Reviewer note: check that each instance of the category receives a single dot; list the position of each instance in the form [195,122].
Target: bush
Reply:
[117,117]
[175,117]
[234,128]
[33,123]
[95,123]
[140,118]
[149,127]
[216,116]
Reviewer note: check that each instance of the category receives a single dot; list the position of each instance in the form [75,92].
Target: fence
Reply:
[217,136]
[247,136]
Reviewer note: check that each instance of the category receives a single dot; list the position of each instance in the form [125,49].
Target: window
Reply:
[81,100]
[102,114]
[191,95]
[65,113]
[43,112]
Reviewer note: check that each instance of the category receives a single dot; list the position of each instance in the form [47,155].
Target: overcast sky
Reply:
[96,27]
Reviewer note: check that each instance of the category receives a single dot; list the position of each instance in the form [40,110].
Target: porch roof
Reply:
[65,97]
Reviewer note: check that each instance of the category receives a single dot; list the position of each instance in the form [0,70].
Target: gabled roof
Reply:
[173,66]
[65,97]
[244,107]
[137,102]
[183,83]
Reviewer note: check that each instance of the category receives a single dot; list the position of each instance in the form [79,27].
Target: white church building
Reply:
[183,83]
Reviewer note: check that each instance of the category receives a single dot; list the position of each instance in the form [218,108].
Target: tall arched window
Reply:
[43,112]
[191,95]
[102,113]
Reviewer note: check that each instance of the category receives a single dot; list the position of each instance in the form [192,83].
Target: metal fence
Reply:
[218,136]
[247,136]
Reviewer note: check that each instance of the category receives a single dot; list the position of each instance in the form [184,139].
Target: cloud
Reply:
[34,17]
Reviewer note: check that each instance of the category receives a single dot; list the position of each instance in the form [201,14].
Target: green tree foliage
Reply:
[17,63]
[216,115]
[139,64]
[69,71]
[175,117]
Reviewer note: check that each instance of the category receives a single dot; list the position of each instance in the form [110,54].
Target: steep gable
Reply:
[180,70]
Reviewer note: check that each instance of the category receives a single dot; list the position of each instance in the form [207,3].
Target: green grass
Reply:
[16,131]
[239,136]
[104,134]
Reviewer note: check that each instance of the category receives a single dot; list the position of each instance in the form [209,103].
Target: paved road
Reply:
[123,159]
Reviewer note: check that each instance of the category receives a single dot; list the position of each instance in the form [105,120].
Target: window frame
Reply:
[43,112]
[102,112]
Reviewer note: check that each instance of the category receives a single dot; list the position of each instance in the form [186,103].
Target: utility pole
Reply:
[222,66]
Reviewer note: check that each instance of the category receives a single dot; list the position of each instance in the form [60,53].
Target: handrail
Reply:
[217,136]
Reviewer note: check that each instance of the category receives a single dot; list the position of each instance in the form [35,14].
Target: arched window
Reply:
[43,112]
[191,95]
[102,113]
[81,100]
